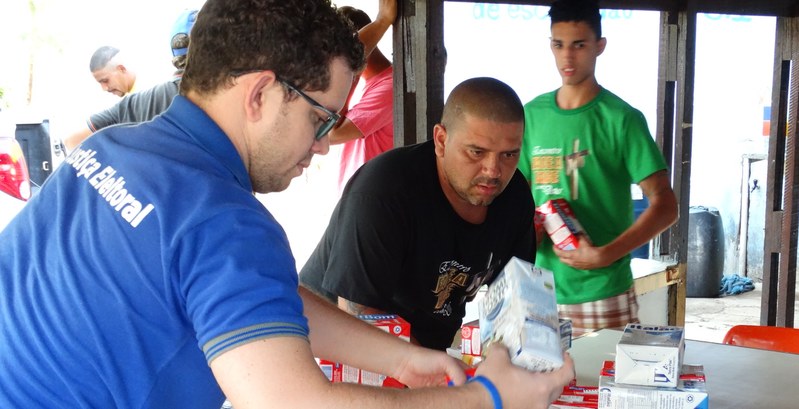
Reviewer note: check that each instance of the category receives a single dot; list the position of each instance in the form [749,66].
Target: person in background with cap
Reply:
[145,105]
[179,40]
[108,68]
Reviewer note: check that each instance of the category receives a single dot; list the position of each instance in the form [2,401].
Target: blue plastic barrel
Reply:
[639,205]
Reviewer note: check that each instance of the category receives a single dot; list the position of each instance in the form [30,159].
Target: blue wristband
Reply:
[491,389]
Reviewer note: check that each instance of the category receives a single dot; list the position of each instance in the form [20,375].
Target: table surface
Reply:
[642,267]
[737,377]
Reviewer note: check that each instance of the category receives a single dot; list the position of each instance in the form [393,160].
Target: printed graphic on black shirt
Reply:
[456,282]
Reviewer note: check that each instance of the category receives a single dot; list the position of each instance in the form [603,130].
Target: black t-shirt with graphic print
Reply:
[394,243]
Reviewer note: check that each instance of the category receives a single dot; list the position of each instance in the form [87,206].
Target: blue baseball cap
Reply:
[182,27]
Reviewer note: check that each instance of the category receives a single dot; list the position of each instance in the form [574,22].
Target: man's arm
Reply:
[661,213]
[353,308]
[76,138]
[281,371]
[344,131]
[369,35]
[107,117]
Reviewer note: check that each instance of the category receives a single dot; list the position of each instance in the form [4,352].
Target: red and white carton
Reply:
[470,339]
[391,323]
[560,223]
[338,372]
[575,396]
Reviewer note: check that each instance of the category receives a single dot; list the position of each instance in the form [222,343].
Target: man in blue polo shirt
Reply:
[145,273]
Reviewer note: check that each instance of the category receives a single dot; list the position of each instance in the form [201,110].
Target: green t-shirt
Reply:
[589,156]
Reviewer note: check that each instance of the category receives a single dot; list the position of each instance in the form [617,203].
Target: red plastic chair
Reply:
[764,337]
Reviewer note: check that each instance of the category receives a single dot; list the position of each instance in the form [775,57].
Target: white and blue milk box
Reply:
[520,311]
[690,392]
[650,355]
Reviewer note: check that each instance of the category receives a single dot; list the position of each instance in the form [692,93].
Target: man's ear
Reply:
[257,89]
[439,138]
[601,43]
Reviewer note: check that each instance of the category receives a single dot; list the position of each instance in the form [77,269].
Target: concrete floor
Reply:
[708,319]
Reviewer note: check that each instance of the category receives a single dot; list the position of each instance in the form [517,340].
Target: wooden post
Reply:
[419,60]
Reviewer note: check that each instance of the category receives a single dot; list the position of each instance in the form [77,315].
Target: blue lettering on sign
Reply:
[732,17]
[493,11]
[616,14]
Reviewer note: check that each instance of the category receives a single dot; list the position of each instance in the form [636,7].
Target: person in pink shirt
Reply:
[367,128]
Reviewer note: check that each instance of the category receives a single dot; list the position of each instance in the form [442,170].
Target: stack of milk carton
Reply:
[649,373]
[338,372]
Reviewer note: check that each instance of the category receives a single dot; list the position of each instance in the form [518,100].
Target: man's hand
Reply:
[585,257]
[427,367]
[387,11]
[520,388]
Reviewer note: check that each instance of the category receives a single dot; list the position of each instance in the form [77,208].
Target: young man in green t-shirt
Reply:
[587,146]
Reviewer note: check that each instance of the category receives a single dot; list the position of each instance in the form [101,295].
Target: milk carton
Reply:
[471,346]
[520,311]
[650,355]
[560,223]
[470,342]
[689,393]
[338,372]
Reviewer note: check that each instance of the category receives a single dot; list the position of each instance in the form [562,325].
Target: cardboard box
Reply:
[574,396]
[520,311]
[337,372]
[470,338]
[690,392]
[565,333]
[650,355]
[471,349]
[560,223]
[391,323]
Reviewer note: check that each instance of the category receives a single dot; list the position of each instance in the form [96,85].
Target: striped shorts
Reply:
[613,312]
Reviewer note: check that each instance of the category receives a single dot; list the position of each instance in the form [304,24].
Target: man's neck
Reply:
[575,96]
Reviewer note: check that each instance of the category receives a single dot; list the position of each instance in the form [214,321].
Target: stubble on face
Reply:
[269,169]
[479,190]
[285,145]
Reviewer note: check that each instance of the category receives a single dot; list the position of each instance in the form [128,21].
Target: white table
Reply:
[737,377]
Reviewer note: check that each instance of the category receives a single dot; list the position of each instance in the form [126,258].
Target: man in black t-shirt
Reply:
[420,228]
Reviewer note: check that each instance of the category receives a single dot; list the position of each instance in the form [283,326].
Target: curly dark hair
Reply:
[297,39]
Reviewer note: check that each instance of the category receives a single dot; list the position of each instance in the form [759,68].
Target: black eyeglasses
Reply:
[328,123]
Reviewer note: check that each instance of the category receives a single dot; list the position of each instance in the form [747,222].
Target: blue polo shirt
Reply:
[143,257]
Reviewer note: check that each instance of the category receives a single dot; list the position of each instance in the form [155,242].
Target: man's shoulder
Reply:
[545,99]
[403,155]
[380,84]
[615,102]
[168,88]
[394,169]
